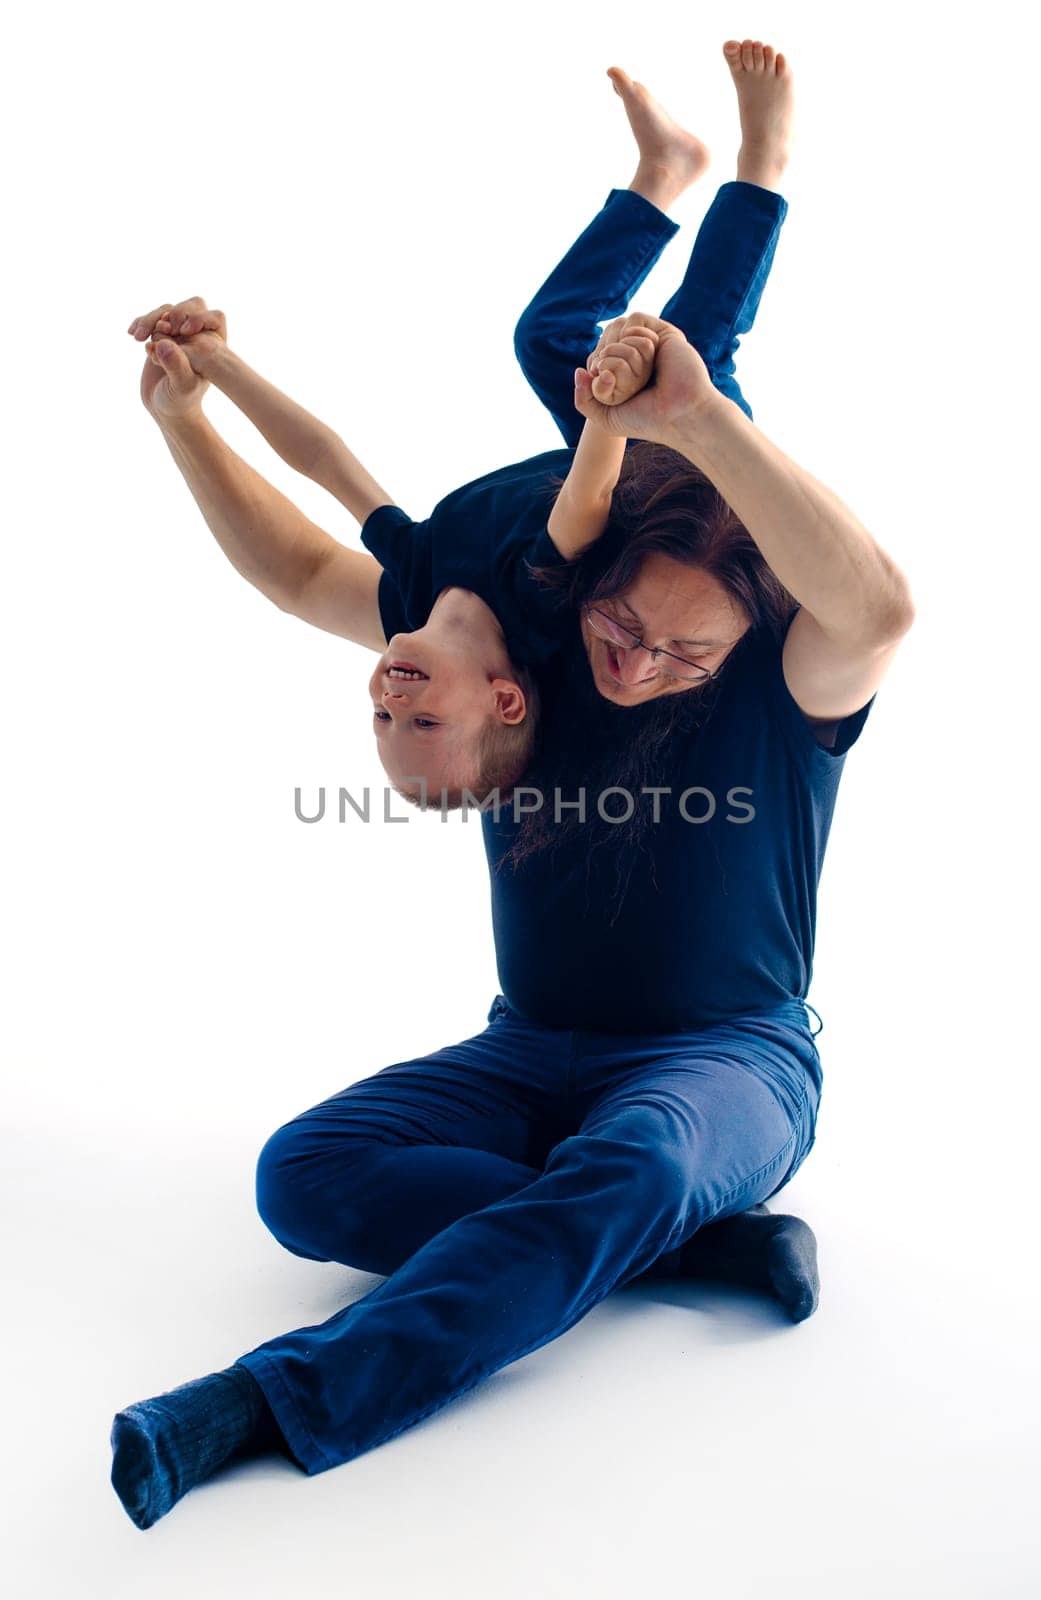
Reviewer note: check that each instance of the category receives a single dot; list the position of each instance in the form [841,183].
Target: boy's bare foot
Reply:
[671,159]
[765,97]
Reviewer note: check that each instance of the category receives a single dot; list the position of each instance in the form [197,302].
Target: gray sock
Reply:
[759,1250]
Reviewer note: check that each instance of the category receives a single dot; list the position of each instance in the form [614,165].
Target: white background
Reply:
[372,196]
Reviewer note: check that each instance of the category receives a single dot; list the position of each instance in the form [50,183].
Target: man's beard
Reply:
[587,742]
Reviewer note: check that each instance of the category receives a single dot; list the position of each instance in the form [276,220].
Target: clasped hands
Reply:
[644,380]
[181,342]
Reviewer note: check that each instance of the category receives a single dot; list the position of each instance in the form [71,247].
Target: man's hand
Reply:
[680,388]
[188,320]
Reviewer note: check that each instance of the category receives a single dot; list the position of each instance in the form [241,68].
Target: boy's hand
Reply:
[169,387]
[622,362]
[660,411]
[202,333]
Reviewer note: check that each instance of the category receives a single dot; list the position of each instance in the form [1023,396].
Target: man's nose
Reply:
[636,665]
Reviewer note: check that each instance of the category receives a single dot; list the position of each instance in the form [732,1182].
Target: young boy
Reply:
[451,604]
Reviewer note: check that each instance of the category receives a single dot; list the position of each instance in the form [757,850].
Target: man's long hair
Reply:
[662,503]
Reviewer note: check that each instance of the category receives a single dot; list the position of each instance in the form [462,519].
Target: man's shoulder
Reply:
[759,679]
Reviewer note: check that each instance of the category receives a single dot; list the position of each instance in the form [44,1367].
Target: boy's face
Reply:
[431,701]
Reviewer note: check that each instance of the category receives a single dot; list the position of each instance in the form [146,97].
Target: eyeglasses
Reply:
[624,639]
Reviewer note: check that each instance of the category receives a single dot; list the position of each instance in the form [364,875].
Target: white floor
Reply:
[677,1440]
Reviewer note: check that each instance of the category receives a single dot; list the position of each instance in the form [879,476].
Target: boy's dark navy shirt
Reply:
[715,918]
[481,537]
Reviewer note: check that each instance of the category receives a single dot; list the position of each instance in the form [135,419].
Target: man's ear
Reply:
[510,704]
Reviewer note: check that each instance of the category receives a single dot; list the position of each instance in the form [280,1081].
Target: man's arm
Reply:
[855,602]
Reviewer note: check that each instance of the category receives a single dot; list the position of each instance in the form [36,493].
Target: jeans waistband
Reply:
[499,1008]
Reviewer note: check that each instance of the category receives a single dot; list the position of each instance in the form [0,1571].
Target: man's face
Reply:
[671,607]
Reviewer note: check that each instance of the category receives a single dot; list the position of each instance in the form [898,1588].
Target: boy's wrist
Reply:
[191,425]
[597,462]
[217,364]
[588,496]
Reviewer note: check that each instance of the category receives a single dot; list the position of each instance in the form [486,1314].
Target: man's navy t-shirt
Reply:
[717,916]
[481,537]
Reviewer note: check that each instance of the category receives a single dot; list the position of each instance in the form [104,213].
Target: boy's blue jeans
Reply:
[507,1184]
[597,279]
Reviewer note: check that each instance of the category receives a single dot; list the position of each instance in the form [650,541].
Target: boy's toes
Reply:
[624,85]
[732,50]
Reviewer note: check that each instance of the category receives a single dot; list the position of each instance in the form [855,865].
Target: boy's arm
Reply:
[306,444]
[617,369]
[269,540]
[582,507]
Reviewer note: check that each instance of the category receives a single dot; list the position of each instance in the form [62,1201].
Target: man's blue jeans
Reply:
[596,280]
[507,1184]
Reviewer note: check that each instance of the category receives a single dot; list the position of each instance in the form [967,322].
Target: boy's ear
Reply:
[510,704]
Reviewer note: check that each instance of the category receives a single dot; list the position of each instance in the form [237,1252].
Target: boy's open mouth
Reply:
[405,669]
